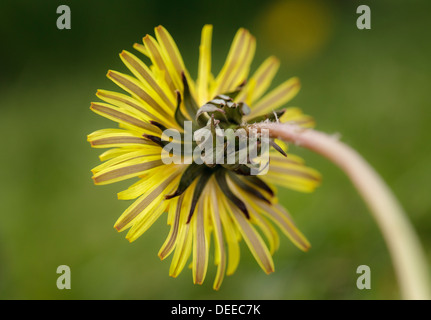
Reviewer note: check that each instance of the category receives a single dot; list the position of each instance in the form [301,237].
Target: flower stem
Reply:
[403,243]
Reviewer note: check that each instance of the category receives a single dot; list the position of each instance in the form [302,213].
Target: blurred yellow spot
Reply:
[297,29]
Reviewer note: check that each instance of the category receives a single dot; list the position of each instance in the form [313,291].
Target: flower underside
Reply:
[220,112]
[225,194]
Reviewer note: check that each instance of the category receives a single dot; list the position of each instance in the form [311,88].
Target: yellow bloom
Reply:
[201,200]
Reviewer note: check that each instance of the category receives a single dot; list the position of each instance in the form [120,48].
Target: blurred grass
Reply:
[370,86]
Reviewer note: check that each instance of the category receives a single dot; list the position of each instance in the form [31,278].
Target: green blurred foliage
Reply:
[370,86]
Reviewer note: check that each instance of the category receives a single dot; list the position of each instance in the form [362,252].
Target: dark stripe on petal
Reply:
[162,36]
[151,45]
[120,116]
[167,248]
[246,187]
[158,125]
[135,89]
[144,203]
[276,97]
[179,116]
[125,172]
[201,251]
[189,101]
[260,183]
[130,101]
[277,147]
[155,139]
[294,173]
[206,175]
[254,242]
[134,63]
[189,175]
[120,140]
[222,182]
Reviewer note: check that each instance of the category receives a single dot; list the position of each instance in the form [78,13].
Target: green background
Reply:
[370,86]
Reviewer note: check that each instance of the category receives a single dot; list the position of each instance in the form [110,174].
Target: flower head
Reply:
[205,193]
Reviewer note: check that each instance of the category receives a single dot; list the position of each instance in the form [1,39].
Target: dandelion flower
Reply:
[223,201]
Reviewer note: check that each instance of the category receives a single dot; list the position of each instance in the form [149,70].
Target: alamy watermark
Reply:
[364,280]
[63,281]
[364,20]
[64,20]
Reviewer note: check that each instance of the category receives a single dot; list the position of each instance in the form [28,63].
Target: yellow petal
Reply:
[277,214]
[155,191]
[121,116]
[276,98]
[172,58]
[112,153]
[149,216]
[259,82]
[231,233]
[144,74]
[290,172]
[144,220]
[121,158]
[159,66]
[220,252]
[237,63]
[253,240]
[137,90]
[174,213]
[141,48]
[200,243]
[267,229]
[183,250]
[204,67]
[281,217]
[126,169]
[295,115]
[241,71]
[108,138]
